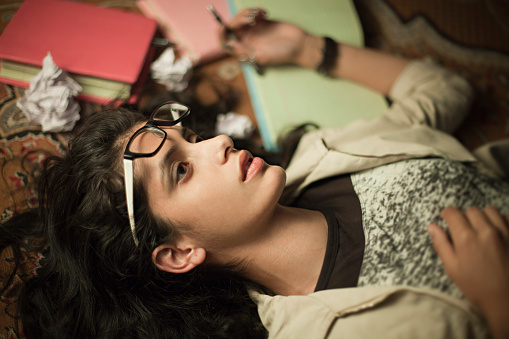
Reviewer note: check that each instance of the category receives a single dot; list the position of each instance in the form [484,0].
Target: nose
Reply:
[218,147]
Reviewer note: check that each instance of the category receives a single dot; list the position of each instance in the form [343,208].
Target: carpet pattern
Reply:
[470,37]
[466,43]
[23,149]
[21,157]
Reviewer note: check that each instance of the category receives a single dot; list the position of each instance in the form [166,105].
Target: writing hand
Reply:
[251,37]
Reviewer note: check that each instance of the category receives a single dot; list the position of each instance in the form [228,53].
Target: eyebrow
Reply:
[164,161]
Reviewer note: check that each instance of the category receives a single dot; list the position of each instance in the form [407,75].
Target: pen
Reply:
[212,10]
[231,36]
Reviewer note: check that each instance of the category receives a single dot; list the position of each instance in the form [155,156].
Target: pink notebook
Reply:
[82,38]
[189,24]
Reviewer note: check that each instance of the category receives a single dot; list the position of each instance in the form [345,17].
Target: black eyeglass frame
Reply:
[129,156]
[151,123]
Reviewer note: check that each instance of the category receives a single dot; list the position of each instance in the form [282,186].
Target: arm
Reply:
[276,43]
[477,259]
[422,93]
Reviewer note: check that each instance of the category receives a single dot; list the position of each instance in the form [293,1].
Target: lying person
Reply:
[153,232]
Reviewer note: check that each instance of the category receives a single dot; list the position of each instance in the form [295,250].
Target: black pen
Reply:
[231,36]
[229,32]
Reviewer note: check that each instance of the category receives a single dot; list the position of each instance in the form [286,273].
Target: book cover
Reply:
[288,96]
[189,24]
[83,39]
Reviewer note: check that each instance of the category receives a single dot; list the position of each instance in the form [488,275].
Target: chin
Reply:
[278,176]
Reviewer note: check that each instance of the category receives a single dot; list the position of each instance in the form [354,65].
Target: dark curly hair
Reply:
[95,282]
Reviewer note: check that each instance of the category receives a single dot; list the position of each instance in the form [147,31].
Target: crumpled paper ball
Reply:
[172,74]
[235,125]
[49,101]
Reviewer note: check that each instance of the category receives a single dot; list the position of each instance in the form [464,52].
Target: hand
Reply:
[251,37]
[477,259]
[261,42]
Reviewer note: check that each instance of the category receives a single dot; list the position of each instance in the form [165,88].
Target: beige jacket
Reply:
[370,312]
[428,103]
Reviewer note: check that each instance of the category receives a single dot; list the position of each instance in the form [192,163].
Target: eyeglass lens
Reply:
[170,112]
[147,140]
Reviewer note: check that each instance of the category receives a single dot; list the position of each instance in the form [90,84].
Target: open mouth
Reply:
[247,164]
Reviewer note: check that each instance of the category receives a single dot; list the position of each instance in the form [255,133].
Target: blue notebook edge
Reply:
[268,144]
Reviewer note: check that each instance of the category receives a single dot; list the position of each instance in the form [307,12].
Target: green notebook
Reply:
[286,96]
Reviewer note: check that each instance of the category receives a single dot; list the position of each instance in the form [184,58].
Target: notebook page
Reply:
[287,96]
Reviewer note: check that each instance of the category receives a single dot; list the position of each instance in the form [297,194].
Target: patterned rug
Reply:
[23,149]
[470,37]
[21,158]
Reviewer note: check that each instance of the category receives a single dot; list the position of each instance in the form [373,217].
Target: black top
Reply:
[336,199]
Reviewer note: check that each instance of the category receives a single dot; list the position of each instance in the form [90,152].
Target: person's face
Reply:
[222,195]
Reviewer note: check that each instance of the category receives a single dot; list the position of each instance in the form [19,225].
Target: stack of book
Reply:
[107,51]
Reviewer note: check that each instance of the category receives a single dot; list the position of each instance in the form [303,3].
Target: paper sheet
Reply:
[234,125]
[49,101]
[172,74]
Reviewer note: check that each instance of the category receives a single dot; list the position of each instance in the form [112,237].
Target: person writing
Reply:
[153,232]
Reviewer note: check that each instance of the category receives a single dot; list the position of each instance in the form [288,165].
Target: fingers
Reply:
[488,223]
[233,36]
[444,249]
[236,47]
[466,229]
[478,219]
[497,220]
[475,219]
[457,222]
[245,18]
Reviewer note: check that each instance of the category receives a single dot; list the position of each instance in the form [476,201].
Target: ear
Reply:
[177,258]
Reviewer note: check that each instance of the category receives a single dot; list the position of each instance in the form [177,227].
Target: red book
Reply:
[189,25]
[108,48]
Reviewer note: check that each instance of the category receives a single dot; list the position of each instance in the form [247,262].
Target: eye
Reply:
[181,172]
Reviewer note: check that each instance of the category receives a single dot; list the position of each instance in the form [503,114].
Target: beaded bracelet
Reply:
[330,54]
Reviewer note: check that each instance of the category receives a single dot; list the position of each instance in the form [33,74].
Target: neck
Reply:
[289,258]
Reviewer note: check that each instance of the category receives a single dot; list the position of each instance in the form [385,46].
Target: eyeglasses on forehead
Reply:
[165,115]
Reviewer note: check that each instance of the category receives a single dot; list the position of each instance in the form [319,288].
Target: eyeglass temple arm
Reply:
[129,195]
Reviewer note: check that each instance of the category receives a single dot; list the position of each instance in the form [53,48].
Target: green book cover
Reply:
[287,96]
